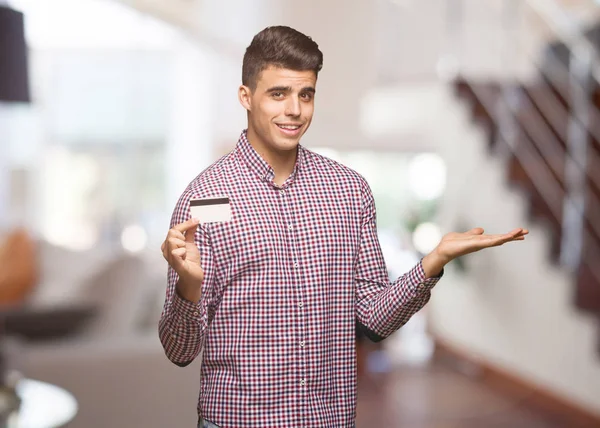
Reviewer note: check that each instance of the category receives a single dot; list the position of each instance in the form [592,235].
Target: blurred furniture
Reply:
[113,363]
[45,324]
[14,78]
[18,267]
[43,405]
[126,382]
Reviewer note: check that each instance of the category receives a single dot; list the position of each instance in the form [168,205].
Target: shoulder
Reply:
[334,171]
[213,180]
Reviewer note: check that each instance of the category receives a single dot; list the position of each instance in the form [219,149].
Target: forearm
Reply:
[189,292]
[181,330]
[384,309]
[381,307]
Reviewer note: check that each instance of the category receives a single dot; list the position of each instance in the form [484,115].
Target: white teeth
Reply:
[288,127]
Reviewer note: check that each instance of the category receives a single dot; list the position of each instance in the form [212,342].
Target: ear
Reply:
[245,97]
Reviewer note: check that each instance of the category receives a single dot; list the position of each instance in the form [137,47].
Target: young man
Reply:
[272,297]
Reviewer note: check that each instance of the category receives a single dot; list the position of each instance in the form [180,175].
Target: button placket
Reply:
[289,224]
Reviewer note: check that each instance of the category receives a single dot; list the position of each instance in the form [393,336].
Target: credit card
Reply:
[211,210]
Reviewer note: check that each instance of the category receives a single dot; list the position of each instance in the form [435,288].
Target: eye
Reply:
[277,94]
[307,96]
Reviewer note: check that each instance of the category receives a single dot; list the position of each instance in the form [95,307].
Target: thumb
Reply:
[475,231]
[189,234]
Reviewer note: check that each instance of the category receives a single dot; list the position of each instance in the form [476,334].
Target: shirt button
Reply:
[173,336]
[296,265]
[195,313]
[290,227]
[300,304]
[302,343]
[302,382]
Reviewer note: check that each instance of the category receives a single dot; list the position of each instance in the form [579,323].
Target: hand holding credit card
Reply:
[181,252]
[211,210]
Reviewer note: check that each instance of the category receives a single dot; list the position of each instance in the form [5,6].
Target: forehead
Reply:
[276,76]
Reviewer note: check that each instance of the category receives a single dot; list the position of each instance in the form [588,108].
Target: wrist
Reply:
[191,293]
[433,263]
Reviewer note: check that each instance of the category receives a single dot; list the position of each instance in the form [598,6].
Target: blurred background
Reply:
[459,113]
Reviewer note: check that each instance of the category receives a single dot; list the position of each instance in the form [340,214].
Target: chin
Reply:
[286,145]
[283,142]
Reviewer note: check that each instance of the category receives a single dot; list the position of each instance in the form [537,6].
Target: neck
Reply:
[282,162]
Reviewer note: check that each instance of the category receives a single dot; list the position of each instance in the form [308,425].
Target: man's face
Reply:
[280,108]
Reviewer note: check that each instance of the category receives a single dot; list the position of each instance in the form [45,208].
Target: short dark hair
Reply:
[283,47]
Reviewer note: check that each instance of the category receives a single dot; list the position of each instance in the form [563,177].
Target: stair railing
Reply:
[575,205]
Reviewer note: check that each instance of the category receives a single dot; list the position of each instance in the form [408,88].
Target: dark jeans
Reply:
[205,424]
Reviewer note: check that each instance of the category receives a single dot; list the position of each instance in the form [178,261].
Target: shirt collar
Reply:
[259,166]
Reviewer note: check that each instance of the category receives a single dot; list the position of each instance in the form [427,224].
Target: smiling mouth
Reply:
[290,130]
[289,127]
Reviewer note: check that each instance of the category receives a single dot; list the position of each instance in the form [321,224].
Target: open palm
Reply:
[455,244]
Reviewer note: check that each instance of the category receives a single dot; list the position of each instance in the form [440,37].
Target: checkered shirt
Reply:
[287,282]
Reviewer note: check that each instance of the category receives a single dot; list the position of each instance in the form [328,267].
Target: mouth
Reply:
[289,129]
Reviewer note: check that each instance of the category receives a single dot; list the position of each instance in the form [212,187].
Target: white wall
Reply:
[19,143]
[189,149]
[513,308]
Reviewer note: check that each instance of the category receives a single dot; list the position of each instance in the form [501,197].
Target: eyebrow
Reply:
[289,89]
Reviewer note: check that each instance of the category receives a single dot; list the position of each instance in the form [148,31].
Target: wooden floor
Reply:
[436,395]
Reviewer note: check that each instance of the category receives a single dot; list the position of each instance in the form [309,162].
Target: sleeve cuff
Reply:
[424,283]
[185,308]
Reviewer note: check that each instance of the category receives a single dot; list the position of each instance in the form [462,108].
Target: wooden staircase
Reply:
[534,134]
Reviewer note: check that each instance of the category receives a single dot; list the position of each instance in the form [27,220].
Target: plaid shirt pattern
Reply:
[287,282]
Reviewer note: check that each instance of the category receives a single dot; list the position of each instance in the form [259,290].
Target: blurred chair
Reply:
[18,268]
[113,363]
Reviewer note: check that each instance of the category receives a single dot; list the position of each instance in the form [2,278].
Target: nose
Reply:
[292,107]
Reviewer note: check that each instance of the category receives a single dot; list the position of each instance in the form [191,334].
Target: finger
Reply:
[505,236]
[179,252]
[173,233]
[186,225]
[174,243]
[177,260]
[495,240]
[162,247]
[514,238]
[515,232]
[519,238]
[475,231]
[189,235]
[486,241]
[177,263]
